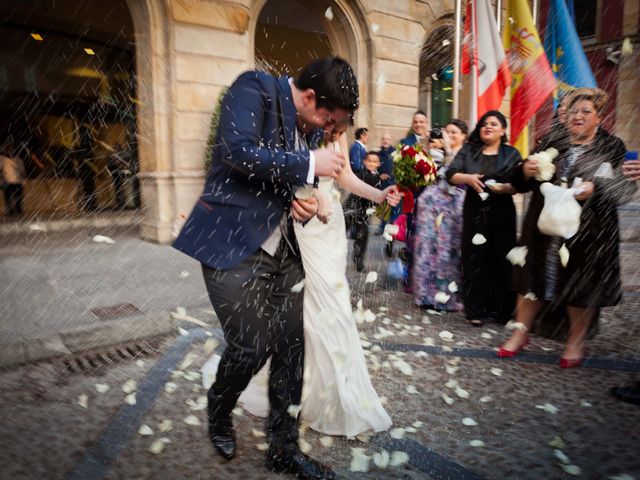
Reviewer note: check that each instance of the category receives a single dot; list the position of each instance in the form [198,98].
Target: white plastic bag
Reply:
[560,216]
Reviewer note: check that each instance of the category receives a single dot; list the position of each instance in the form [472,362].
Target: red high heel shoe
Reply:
[504,353]
[568,363]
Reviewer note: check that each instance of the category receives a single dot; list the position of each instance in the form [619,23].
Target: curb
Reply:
[105,333]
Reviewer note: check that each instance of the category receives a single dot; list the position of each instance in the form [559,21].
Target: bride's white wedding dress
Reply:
[337,397]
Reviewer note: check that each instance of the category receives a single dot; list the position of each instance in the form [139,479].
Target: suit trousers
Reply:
[361,227]
[261,317]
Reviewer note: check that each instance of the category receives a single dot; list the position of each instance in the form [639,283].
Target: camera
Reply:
[436,133]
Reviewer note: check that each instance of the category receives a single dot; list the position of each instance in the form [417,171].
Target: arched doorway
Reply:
[68,103]
[291,33]
[436,75]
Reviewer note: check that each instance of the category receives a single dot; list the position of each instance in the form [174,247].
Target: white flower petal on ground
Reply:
[165,425]
[453,287]
[359,460]
[83,400]
[129,386]
[188,360]
[210,345]
[381,459]
[262,446]
[298,287]
[397,433]
[145,430]
[192,376]
[363,437]
[496,371]
[441,297]
[486,335]
[426,320]
[584,403]
[376,348]
[294,410]
[447,348]
[102,387]
[451,383]
[428,341]
[238,411]
[518,256]
[478,239]
[158,445]
[483,196]
[139,363]
[130,399]
[411,429]
[571,469]
[404,367]
[486,399]
[305,447]
[398,458]
[183,332]
[451,370]
[469,422]
[564,255]
[476,443]
[622,476]
[417,424]
[446,335]
[369,316]
[513,325]
[411,389]
[461,392]
[531,296]
[191,420]
[328,14]
[447,399]
[103,239]
[560,455]
[326,442]
[548,407]
[557,442]
[372,277]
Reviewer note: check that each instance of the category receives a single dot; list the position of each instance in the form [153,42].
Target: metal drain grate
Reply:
[88,362]
[115,311]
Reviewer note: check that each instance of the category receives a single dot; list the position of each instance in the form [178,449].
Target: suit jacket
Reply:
[253,169]
[411,140]
[356,155]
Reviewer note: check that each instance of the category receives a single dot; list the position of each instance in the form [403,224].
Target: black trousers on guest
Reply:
[261,317]
[361,234]
[13,198]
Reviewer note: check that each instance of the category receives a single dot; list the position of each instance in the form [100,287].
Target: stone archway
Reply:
[348,35]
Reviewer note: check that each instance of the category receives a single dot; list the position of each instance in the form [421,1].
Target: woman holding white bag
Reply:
[581,273]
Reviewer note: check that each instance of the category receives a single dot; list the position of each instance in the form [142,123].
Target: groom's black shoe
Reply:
[223,438]
[288,458]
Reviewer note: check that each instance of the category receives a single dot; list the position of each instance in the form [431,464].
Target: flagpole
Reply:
[456,59]
[499,14]
[534,12]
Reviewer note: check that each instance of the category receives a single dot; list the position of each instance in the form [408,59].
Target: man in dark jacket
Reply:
[241,231]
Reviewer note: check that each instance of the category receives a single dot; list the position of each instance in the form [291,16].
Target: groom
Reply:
[241,231]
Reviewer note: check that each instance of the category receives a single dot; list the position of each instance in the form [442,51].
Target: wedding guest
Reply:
[386,173]
[12,178]
[438,237]
[489,219]
[590,277]
[358,149]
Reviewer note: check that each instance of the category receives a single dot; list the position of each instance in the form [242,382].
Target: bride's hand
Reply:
[391,195]
[324,206]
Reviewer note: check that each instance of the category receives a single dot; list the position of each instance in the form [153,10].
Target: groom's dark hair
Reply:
[333,81]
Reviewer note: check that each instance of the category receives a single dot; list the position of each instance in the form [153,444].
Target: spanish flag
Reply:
[532,78]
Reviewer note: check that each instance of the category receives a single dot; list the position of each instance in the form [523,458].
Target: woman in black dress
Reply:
[484,164]
[590,278]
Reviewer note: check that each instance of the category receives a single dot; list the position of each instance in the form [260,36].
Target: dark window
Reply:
[586,13]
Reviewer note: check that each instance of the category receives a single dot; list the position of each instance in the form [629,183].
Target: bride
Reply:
[337,397]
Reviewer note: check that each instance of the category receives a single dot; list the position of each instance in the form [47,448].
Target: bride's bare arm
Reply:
[348,180]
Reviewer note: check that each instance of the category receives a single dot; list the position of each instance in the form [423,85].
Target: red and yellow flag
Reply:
[532,78]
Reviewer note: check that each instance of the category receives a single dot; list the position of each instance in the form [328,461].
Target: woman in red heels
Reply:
[590,278]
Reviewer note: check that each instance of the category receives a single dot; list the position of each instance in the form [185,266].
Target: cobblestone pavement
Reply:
[519,407]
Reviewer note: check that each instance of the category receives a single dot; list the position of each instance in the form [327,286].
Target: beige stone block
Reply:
[630,17]
[396,72]
[393,115]
[205,69]
[406,29]
[196,97]
[395,94]
[189,154]
[215,43]
[224,16]
[397,133]
[192,126]
[405,8]
[397,50]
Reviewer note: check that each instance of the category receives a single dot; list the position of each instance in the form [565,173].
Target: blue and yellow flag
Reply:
[564,50]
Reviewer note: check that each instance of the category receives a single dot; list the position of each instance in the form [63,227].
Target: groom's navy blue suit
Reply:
[254,166]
